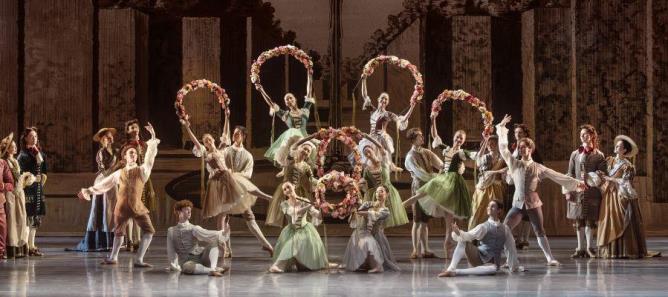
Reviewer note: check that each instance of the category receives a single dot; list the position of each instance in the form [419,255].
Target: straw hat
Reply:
[634,146]
[6,143]
[97,137]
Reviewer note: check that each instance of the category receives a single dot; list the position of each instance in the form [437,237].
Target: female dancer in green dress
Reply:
[299,243]
[376,173]
[446,195]
[298,172]
[294,117]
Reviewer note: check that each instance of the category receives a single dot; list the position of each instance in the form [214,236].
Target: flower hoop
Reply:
[370,66]
[214,88]
[349,136]
[337,181]
[292,50]
[487,116]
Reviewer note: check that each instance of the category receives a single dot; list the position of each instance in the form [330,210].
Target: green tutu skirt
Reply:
[446,194]
[398,214]
[302,245]
[270,154]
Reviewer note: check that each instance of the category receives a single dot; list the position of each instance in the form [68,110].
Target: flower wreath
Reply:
[349,136]
[292,50]
[370,66]
[337,181]
[214,88]
[487,117]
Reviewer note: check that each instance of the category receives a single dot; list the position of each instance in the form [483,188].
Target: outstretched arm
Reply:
[151,153]
[191,135]
[225,138]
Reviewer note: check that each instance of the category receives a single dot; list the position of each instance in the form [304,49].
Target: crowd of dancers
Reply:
[602,203]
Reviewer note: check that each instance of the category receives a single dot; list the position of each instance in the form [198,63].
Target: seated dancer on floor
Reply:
[184,251]
[526,174]
[299,244]
[368,248]
[129,183]
[423,165]
[493,236]
[229,190]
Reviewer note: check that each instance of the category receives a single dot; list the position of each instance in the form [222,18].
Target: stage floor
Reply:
[61,273]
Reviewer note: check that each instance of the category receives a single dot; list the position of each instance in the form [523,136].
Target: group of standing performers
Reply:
[598,191]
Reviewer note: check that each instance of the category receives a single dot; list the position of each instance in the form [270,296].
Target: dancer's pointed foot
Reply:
[446,273]
[142,265]
[108,262]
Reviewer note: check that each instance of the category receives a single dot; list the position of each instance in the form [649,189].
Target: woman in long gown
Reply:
[490,185]
[227,192]
[621,233]
[15,208]
[368,248]
[377,173]
[298,172]
[294,117]
[299,243]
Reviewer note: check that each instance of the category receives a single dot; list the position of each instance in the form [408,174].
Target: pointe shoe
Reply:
[428,255]
[275,269]
[108,262]
[579,254]
[215,273]
[376,270]
[553,263]
[446,273]
[591,253]
[414,255]
[142,265]
[35,252]
[269,250]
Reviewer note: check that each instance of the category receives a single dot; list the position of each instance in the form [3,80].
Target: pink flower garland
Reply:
[487,116]
[337,181]
[214,88]
[292,50]
[418,89]
[350,137]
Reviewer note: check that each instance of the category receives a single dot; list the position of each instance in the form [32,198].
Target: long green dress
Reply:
[447,193]
[299,241]
[299,174]
[375,178]
[296,122]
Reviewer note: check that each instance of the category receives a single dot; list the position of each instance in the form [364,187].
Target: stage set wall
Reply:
[71,67]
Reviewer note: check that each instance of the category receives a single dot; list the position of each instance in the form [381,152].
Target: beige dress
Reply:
[15,207]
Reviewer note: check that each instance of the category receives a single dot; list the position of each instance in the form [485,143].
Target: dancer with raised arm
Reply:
[298,172]
[129,182]
[184,251]
[423,165]
[299,244]
[526,174]
[490,185]
[376,173]
[446,195]
[368,248]
[229,190]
